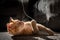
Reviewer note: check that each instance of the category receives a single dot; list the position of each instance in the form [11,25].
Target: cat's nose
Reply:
[9,25]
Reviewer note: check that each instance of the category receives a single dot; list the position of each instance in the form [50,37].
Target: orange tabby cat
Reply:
[17,27]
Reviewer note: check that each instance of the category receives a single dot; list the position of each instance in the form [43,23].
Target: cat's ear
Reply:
[11,19]
[33,22]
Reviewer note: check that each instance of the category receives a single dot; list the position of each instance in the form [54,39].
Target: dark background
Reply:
[13,8]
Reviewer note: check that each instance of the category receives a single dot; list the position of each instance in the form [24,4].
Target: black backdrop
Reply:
[10,8]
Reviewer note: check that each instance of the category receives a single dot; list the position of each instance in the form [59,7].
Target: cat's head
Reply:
[13,25]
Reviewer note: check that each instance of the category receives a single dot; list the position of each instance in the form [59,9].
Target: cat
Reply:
[17,27]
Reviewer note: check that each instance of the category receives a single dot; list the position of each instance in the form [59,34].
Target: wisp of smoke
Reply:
[44,6]
[23,1]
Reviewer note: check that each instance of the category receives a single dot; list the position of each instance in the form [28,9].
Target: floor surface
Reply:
[7,36]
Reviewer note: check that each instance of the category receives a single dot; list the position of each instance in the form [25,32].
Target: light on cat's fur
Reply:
[26,28]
